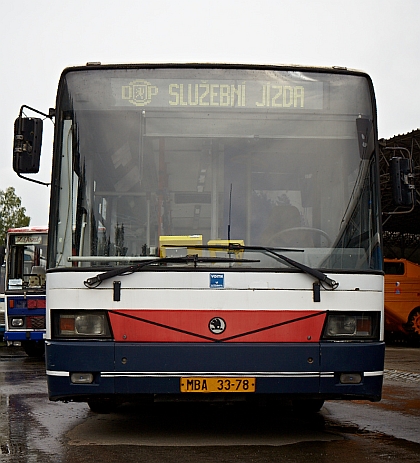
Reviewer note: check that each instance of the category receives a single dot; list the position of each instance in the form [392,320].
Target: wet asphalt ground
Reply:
[32,429]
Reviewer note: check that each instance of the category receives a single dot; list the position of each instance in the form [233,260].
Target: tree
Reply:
[12,214]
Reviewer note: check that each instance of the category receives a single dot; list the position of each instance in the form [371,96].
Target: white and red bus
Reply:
[2,305]
[214,232]
[26,258]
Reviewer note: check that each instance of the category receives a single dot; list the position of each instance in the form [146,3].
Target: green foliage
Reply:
[12,214]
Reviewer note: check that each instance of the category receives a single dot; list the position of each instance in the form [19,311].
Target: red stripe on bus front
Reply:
[194,326]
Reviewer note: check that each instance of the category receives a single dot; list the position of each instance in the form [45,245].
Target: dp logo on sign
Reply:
[139,92]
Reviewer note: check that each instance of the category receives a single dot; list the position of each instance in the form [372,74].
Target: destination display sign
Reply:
[28,239]
[219,94]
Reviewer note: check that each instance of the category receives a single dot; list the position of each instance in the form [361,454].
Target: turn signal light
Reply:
[67,324]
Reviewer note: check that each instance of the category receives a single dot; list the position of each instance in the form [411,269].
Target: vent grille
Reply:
[36,323]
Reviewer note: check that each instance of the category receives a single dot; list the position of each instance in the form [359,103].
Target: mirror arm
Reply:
[50,115]
[33,180]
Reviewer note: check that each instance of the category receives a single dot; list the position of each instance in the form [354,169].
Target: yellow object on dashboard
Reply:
[177,245]
[226,243]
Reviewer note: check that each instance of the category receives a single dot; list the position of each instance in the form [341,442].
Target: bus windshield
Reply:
[170,161]
[26,261]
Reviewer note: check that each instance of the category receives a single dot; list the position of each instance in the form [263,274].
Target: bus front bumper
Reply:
[80,371]
[23,336]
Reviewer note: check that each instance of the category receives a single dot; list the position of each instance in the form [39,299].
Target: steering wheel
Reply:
[297,236]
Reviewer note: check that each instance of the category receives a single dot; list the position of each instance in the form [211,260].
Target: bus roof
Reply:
[95,65]
[39,229]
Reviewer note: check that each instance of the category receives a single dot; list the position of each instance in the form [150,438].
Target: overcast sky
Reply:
[38,39]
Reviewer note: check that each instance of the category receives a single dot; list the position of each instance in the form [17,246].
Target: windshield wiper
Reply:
[235,247]
[231,247]
[95,281]
[321,276]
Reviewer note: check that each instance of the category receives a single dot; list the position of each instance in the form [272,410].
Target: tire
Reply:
[413,324]
[102,406]
[307,406]
[35,349]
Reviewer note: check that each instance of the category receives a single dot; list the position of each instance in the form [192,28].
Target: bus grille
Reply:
[36,323]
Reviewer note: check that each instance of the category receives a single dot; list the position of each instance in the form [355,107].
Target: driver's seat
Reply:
[282,217]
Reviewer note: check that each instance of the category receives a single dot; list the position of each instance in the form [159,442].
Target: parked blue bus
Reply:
[25,283]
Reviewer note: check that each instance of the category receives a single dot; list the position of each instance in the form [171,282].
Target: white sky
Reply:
[38,39]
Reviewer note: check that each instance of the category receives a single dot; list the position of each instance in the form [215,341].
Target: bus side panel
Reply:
[402,294]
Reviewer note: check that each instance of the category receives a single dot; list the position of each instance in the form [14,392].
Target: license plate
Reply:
[217,384]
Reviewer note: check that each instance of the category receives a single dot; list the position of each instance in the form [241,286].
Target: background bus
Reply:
[402,298]
[26,253]
[2,304]
[214,233]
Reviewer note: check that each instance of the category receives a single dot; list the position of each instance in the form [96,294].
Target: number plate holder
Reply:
[217,384]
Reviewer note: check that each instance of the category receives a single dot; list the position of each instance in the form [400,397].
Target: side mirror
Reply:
[365,137]
[402,190]
[27,145]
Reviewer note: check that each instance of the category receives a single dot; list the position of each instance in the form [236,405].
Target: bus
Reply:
[214,234]
[2,306]
[402,299]
[25,277]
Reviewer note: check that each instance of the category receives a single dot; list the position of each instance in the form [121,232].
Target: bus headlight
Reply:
[81,324]
[92,324]
[360,325]
[17,322]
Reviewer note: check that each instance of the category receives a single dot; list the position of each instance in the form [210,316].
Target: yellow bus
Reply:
[402,297]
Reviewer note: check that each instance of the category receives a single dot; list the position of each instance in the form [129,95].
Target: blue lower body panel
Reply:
[307,370]
[24,335]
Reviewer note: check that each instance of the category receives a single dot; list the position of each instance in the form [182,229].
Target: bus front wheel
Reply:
[305,406]
[102,405]
[34,348]
[413,324]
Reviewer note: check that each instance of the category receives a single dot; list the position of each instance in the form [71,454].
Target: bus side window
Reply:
[394,268]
